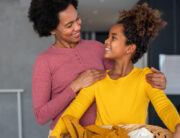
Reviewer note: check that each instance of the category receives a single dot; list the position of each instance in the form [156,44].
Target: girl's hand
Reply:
[87,78]
[157,79]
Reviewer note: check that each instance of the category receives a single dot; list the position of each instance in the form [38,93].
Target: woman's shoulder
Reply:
[92,44]
[50,51]
[44,55]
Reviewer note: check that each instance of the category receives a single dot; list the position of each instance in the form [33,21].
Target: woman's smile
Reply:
[76,35]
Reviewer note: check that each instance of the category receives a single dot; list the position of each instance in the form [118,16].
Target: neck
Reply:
[63,44]
[121,69]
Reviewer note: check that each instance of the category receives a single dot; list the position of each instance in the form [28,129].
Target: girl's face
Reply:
[115,45]
[68,29]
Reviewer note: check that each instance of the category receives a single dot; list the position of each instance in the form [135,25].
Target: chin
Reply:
[107,56]
[76,40]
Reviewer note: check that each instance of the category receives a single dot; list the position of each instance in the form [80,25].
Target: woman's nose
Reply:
[77,26]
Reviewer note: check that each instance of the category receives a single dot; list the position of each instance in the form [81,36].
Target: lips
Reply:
[76,35]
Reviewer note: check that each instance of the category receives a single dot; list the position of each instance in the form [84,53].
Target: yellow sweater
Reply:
[122,101]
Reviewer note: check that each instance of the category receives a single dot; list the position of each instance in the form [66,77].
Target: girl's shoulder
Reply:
[144,71]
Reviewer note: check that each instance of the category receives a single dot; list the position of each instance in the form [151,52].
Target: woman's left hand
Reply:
[157,79]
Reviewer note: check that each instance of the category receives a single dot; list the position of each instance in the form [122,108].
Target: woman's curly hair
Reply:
[44,14]
[141,24]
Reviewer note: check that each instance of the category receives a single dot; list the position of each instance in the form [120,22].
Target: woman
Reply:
[69,64]
[122,97]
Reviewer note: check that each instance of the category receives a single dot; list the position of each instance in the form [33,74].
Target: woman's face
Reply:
[115,44]
[68,29]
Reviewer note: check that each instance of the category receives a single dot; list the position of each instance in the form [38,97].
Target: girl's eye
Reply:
[113,37]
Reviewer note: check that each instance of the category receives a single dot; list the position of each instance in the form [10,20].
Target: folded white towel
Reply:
[140,133]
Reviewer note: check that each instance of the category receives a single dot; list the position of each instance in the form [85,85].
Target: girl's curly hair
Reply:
[141,24]
[44,14]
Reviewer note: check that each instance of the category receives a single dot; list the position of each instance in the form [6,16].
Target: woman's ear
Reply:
[53,32]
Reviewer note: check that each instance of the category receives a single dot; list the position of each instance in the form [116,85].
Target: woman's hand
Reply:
[177,132]
[87,78]
[157,79]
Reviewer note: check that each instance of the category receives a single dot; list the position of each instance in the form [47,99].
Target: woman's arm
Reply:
[76,109]
[45,108]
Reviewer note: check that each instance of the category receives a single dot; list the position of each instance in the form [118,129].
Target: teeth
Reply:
[75,34]
[107,49]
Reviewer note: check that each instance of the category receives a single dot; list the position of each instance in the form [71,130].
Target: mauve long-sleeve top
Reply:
[54,70]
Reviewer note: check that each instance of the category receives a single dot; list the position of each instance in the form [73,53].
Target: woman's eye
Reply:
[69,26]
[113,37]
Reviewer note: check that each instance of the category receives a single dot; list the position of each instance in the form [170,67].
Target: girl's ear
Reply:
[131,49]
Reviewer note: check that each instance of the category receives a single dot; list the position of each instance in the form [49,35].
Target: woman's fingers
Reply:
[154,70]
[89,77]
[97,72]
[95,77]
[98,77]
[154,84]
[157,80]
[156,75]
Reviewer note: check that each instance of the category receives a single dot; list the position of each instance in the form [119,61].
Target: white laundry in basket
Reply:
[140,133]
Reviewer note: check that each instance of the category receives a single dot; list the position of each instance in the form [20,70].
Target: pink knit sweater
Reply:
[54,70]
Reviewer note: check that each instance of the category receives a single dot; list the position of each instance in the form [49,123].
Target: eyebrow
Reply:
[114,33]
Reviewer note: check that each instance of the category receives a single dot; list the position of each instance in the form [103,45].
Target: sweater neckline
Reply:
[66,49]
[109,78]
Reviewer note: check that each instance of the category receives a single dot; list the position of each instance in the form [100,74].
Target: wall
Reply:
[19,46]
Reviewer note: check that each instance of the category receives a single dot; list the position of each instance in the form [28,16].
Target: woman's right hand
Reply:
[87,78]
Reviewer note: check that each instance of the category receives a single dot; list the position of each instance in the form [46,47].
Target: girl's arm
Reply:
[163,106]
[76,109]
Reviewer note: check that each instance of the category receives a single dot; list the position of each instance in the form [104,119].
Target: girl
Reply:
[122,97]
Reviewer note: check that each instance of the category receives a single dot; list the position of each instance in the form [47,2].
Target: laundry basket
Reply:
[158,132]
